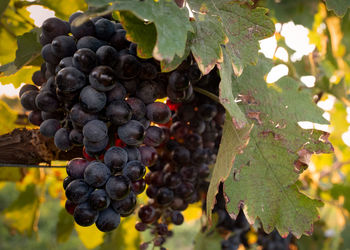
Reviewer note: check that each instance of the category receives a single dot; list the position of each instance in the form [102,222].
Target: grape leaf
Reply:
[340,7]
[64,226]
[341,190]
[140,32]
[24,75]
[90,236]
[171,22]
[28,51]
[298,11]
[22,214]
[205,44]
[263,177]
[243,26]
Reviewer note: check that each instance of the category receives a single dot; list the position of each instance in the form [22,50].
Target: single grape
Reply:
[147,214]
[108,220]
[63,46]
[118,93]
[131,85]
[75,15]
[148,71]
[149,155]
[103,78]
[90,42]
[158,112]
[70,207]
[92,100]
[85,29]
[53,27]
[133,153]
[66,182]
[115,158]
[99,200]
[193,142]
[164,196]
[95,130]
[84,215]
[128,67]
[181,155]
[49,56]
[70,79]
[95,147]
[131,133]
[141,226]
[118,112]
[49,127]
[76,137]
[177,218]
[35,118]
[138,186]
[28,99]
[79,117]
[118,187]
[172,180]
[76,167]
[27,87]
[96,174]
[58,115]
[134,170]
[104,29]
[78,191]
[125,206]
[178,81]
[107,55]
[46,101]
[61,139]
[147,91]
[154,136]
[118,40]
[38,78]
[207,111]
[85,60]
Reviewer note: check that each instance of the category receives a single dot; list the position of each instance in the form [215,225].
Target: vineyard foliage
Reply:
[288,177]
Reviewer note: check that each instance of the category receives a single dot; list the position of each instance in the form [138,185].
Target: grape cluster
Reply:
[93,91]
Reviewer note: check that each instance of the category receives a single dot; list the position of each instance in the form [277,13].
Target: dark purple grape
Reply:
[158,241]
[84,215]
[181,155]
[26,88]
[104,29]
[118,40]
[133,153]
[78,191]
[141,226]
[184,190]
[118,93]
[90,42]
[128,67]
[179,204]
[134,170]
[107,55]
[193,142]
[63,46]
[125,206]
[49,85]
[95,130]
[61,139]
[85,60]
[79,117]
[76,137]
[49,56]
[76,167]
[138,186]
[188,173]
[164,196]
[96,147]
[131,133]
[172,180]
[38,78]
[53,27]
[28,99]
[154,136]
[118,112]
[35,118]
[70,79]
[148,71]
[147,91]
[70,207]
[92,100]
[99,200]
[158,112]
[115,158]
[178,81]
[46,101]
[85,29]
[131,85]
[96,174]
[207,111]
[102,78]
[64,63]
[147,214]
[149,155]
[177,218]
[49,127]
[118,187]
[108,220]
[75,15]
[177,96]
[138,108]
[152,191]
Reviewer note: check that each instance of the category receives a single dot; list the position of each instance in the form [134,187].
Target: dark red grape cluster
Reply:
[94,92]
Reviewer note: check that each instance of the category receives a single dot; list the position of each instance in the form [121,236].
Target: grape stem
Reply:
[207,93]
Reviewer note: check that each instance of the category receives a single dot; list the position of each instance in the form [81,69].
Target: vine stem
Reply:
[207,93]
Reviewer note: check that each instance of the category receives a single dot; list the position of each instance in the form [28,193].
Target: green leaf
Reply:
[263,177]
[232,143]
[171,22]
[342,190]
[22,214]
[340,7]
[298,11]
[206,42]
[243,26]
[27,53]
[207,241]
[125,237]
[62,9]
[140,32]
[24,75]
[7,118]
[64,227]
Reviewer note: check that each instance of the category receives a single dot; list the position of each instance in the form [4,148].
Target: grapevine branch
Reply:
[28,148]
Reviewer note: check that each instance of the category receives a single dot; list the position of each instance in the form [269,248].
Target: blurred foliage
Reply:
[31,201]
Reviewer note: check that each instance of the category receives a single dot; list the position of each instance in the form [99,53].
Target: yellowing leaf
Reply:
[90,236]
